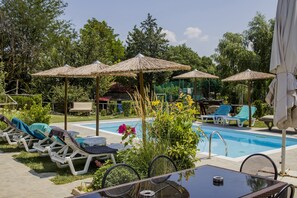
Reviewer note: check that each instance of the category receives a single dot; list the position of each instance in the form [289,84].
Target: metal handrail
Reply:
[210,138]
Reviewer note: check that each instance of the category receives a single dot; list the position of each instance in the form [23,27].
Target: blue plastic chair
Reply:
[223,110]
[242,116]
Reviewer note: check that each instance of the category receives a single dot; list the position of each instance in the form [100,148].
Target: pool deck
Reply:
[17,180]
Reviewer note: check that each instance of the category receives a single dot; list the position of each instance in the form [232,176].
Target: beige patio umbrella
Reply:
[141,64]
[282,90]
[92,71]
[195,74]
[249,75]
[54,73]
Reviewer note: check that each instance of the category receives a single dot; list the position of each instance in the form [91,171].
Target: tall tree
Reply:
[27,29]
[232,56]
[148,40]
[99,42]
[259,38]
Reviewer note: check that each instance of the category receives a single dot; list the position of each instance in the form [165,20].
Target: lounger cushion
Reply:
[99,149]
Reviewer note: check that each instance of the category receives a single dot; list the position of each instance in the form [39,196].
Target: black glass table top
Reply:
[198,182]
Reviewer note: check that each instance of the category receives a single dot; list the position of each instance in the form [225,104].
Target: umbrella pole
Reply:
[249,103]
[195,92]
[141,87]
[97,106]
[65,104]
[283,157]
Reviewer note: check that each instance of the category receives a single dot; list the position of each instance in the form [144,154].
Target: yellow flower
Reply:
[189,100]
[179,105]
[155,103]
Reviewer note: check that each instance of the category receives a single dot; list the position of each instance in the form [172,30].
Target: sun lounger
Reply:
[33,134]
[241,117]
[223,110]
[268,120]
[87,153]
[10,131]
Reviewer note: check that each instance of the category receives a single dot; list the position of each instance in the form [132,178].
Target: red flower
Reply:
[133,130]
[122,128]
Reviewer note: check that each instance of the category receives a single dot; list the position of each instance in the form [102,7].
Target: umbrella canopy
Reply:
[55,72]
[141,64]
[91,71]
[282,90]
[144,64]
[195,74]
[248,75]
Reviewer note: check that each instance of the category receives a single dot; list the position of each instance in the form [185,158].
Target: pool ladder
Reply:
[210,138]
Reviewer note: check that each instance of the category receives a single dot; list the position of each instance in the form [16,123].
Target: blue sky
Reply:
[198,23]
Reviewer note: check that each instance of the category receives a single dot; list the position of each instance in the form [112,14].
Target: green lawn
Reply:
[71,118]
[43,164]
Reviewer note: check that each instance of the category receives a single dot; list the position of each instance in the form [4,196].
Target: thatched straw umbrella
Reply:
[91,71]
[196,75]
[249,76]
[141,64]
[55,73]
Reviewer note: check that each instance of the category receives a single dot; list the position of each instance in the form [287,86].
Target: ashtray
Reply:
[147,193]
[218,180]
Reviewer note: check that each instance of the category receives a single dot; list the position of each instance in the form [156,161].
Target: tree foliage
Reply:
[27,31]
[148,40]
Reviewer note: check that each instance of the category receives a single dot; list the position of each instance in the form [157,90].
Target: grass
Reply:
[6,148]
[72,118]
[43,164]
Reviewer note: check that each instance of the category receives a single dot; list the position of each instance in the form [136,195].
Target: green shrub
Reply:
[27,101]
[103,112]
[175,126]
[140,156]
[98,175]
[127,107]
[36,113]
[260,105]
[112,108]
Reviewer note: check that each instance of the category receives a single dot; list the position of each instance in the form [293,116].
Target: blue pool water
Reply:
[239,143]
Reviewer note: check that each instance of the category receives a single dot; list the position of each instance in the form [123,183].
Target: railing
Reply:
[210,138]
[6,100]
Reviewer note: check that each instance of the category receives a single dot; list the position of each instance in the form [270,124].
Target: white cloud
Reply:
[195,33]
[170,36]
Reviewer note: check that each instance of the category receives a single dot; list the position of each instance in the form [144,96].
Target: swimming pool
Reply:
[239,143]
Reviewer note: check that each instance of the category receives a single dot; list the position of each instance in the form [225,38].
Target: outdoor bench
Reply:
[83,107]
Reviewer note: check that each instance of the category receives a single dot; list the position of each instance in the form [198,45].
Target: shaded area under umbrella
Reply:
[249,75]
[282,90]
[142,64]
[195,74]
[91,71]
[55,73]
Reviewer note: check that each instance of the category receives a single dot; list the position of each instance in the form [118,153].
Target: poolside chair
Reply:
[117,175]
[223,110]
[10,131]
[259,164]
[59,149]
[36,132]
[241,117]
[87,153]
[288,191]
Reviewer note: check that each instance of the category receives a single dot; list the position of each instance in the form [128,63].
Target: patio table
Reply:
[198,182]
